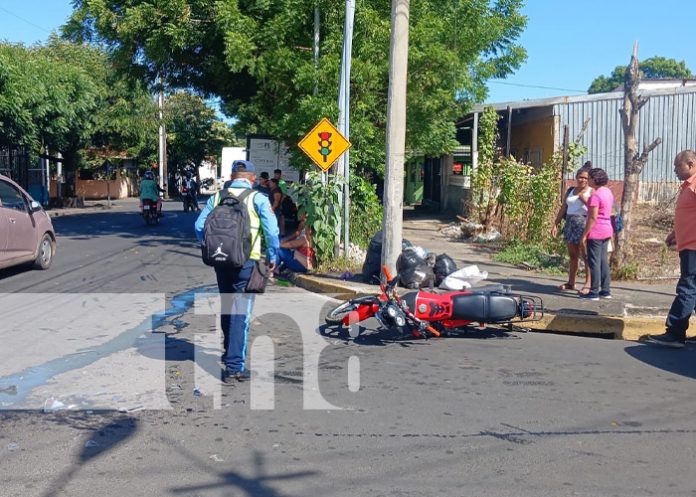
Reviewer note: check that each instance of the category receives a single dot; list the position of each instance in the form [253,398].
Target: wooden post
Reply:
[509,132]
[564,167]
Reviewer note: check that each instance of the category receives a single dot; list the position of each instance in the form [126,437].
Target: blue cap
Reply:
[243,166]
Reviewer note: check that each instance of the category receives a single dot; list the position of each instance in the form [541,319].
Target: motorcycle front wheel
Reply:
[338,313]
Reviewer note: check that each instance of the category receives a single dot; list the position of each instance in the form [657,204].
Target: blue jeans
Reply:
[598,260]
[287,259]
[684,303]
[236,308]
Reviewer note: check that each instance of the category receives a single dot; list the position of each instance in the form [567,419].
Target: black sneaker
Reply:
[666,340]
[605,295]
[242,376]
[233,378]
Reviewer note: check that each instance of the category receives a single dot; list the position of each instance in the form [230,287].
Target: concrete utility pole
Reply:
[162,138]
[396,135]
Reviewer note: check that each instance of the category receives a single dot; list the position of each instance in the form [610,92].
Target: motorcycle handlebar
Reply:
[391,280]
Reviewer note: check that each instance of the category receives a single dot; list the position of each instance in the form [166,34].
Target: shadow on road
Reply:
[175,228]
[99,440]
[379,337]
[259,484]
[677,361]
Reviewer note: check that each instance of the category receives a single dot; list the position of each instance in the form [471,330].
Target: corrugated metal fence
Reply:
[671,116]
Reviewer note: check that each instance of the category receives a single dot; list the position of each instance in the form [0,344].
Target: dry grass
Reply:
[651,224]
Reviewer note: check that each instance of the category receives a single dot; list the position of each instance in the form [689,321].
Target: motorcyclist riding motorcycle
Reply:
[150,190]
[188,192]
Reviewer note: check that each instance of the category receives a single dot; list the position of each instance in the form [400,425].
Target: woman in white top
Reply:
[574,211]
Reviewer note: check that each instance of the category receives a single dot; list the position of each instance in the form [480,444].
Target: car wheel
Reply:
[45,253]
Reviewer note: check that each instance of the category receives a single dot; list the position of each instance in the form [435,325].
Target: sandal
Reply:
[584,290]
[566,286]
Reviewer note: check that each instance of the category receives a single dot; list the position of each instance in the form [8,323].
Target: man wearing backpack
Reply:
[236,257]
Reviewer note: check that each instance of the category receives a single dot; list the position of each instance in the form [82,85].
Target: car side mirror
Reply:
[35,206]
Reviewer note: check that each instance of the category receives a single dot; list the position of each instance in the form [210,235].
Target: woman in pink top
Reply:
[598,232]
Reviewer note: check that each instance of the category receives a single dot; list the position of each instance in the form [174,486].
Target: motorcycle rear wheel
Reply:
[336,315]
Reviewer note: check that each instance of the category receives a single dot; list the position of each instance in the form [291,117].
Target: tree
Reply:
[633,161]
[257,57]
[68,98]
[193,132]
[45,100]
[652,68]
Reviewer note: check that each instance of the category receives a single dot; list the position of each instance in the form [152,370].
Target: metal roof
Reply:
[595,97]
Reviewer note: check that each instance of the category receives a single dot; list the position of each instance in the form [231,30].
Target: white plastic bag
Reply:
[465,277]
[420,251]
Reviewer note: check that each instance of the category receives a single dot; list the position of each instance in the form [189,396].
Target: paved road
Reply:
[489,414]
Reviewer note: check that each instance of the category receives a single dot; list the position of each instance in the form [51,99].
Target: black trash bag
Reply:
[444,266]
[414,271]
[409,259]
[372,267]
[420,276]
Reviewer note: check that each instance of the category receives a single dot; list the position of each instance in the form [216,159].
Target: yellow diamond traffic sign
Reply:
[324,144]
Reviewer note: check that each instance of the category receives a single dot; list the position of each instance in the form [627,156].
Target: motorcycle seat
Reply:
[493,287]
[483,307]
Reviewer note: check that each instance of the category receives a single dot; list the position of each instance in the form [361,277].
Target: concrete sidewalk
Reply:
[92,206]
[636,309]
[122,204]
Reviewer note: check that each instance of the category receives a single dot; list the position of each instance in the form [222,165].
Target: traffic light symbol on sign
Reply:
[324,144]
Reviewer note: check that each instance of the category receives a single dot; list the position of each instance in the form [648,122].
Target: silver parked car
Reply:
[26,231]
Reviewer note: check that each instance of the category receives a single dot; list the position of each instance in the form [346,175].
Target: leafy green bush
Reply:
[317,201]
[365,210]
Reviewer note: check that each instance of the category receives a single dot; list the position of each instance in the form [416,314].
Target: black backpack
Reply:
[227,232]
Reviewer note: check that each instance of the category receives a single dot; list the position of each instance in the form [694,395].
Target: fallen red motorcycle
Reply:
[429,314]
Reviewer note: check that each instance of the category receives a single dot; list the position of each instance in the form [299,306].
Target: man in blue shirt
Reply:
[237,305]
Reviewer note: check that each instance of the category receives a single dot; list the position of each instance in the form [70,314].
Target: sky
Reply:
[568,42]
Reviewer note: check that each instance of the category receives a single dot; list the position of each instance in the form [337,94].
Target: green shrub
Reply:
[532,255]
[317,201]
[628,271]
[365,210]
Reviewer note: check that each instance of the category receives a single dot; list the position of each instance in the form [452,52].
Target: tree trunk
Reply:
[633,162]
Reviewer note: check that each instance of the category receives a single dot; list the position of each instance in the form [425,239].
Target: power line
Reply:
[537,86]
[25,20]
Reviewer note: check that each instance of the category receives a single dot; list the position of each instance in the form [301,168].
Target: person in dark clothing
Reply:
[263,184]
[276,198]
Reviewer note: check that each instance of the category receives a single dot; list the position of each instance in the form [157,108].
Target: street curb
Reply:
[320,285]
[79,210]
[618,327]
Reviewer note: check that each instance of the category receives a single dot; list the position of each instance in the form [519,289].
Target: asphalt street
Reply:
[109,386]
